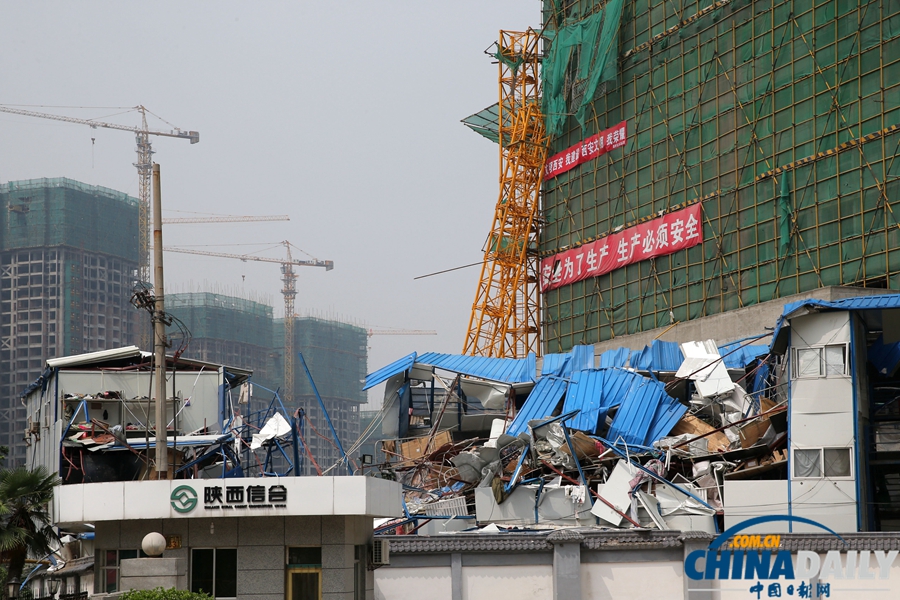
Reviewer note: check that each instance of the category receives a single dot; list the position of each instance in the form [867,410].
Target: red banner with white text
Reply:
[657,237]
[589,149]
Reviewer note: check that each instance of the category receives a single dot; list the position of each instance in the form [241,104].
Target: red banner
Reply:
[589,149]
[667,234]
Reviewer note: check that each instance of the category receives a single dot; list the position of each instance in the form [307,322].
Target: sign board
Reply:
[657,237]
[588,149]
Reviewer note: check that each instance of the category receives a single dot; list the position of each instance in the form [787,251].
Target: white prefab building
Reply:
[232,529]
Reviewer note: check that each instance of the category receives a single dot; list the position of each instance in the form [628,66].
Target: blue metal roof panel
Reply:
[542,402]
[646,413]
[385,373]
[615,358]
[658,356]
[582,357]
[736,357]
[556,364]
[506,370]
[588,393]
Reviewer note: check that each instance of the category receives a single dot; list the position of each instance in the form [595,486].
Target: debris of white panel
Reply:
[616,491]
[704,365]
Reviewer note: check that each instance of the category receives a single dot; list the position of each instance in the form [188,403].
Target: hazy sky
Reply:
[344,115]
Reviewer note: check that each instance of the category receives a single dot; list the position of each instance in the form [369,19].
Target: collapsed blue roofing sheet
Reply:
[736,357]
[658,356]
[615,358]
[563,365]
[646,413]
[587,393]
[556,365]
[542,402]
[506,370]
[385,373]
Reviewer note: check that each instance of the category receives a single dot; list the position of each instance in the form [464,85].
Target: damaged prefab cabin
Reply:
[236,521]
[677,436]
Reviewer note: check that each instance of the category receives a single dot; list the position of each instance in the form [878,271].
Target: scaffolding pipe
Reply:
[337,440]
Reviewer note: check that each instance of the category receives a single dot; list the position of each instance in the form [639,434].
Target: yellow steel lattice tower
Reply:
[505,319]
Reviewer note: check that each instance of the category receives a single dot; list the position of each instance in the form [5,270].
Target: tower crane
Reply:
[224,219]
[144,166]
[289,290]
[505,319]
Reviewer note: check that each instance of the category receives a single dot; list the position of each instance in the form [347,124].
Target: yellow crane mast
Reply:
[505,319]
[289,290]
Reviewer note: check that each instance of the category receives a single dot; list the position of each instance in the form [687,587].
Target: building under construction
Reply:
[776,120]
[243,333]
[68,259]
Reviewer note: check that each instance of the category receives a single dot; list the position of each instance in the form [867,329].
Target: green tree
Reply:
[25,516]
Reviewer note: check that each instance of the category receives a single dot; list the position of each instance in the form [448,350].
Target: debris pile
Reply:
[632,439]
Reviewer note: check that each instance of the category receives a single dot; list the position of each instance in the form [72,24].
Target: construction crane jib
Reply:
[505,319]
[144,167]
[289,290]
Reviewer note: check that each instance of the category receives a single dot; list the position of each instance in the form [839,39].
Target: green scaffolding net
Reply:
[584,49]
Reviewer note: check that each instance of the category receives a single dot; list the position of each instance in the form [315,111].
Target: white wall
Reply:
[532,582]
[412,583]
[745,499]
[659,580]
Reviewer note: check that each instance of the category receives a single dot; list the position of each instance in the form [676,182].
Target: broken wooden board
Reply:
[689,424]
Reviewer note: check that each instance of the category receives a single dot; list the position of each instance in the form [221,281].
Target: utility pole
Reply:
[159,331]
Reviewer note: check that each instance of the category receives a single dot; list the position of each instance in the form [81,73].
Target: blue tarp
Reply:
[542,402]
[385,373]
[884,357]
[506,370]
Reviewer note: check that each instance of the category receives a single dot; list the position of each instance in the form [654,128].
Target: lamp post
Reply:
[12,588]
[53,586]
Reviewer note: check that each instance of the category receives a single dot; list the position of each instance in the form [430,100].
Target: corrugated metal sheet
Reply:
[646,413]
[587,394]
[563,365]
[658,356]
[385,373]
[556,364]
[507,370]
[736,357]
[615,358]
[542,402]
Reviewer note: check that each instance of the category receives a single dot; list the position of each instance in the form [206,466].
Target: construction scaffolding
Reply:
[780,118]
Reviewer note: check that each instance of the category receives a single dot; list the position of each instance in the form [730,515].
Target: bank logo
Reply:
[773,572]
[183,499]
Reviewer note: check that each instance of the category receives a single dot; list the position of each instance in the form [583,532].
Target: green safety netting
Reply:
[592,39]
[485,122]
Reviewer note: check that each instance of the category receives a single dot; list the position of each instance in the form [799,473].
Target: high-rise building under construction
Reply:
[68,260]
[707,156]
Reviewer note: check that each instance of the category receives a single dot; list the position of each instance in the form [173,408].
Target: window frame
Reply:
[821,450]
[823,371]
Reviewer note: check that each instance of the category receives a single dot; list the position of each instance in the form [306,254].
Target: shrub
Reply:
[162,594]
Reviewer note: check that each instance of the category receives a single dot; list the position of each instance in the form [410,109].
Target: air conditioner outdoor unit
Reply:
[33,426]
[381,552]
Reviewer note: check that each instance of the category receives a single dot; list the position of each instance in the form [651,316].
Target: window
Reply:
[214,571]
[109,568]
[815,463]
[823,361]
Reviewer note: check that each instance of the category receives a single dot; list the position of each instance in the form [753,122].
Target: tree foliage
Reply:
[25,527]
